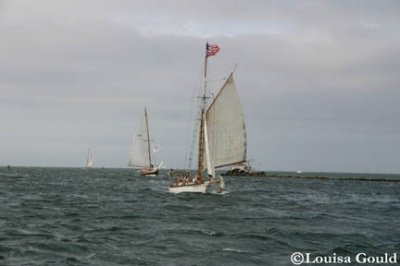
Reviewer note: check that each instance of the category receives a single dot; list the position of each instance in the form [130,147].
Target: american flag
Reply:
[211,49]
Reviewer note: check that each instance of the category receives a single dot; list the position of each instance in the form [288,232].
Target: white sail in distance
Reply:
[139,156]
[89,159]
[226,129]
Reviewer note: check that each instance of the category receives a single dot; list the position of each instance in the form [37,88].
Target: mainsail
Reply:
[226,129]
[139,155]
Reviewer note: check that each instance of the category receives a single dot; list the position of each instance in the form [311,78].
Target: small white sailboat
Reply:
[140,153]
[221,138]
[89,159]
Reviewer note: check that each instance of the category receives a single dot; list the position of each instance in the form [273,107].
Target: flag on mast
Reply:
[211,49]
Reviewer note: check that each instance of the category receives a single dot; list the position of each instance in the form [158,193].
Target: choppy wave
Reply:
[66,216]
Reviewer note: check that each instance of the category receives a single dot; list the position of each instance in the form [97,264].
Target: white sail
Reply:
[89,159]
[226,130]
[207,154]
[139,156]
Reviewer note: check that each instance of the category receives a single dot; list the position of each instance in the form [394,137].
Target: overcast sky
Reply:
[318,80]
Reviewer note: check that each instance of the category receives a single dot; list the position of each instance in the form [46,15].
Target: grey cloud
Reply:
[318,80]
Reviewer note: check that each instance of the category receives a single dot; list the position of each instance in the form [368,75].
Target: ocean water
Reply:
[71,216]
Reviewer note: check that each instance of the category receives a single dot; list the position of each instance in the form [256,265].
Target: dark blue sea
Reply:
[71,216]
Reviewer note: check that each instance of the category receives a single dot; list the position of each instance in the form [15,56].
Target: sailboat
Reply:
[89,159]
[140,155]
[221,138]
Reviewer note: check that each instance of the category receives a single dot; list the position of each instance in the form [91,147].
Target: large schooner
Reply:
[140,154]
[221,138]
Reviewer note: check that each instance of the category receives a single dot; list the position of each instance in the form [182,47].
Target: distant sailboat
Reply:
[89,159]
[140,153]
[221,138]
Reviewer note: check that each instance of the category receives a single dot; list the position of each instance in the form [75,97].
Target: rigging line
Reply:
[189,148]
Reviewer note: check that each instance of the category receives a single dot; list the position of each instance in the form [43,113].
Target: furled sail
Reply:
[139,152]
[226,129]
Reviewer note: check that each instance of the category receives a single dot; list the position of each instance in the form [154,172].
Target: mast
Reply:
[202,111]
[148,136]
[211,50]
[200,153]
